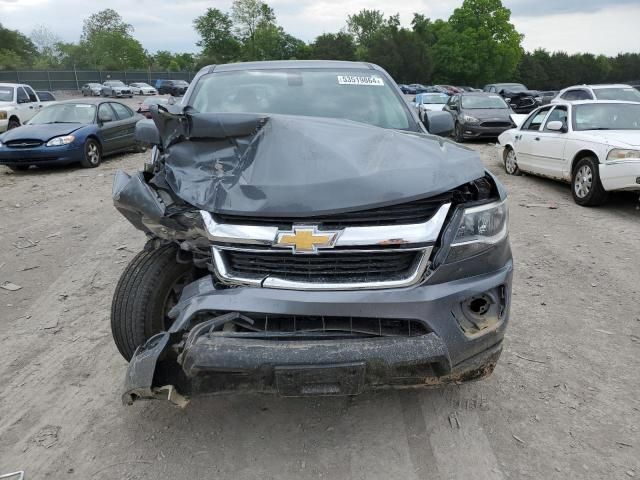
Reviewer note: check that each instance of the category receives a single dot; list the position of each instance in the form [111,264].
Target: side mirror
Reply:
[453,107]
[439,123]
[557,126]
[147,133]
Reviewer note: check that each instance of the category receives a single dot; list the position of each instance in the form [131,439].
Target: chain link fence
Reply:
[74,79]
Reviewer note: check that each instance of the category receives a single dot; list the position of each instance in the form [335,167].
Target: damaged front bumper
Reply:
[234,350]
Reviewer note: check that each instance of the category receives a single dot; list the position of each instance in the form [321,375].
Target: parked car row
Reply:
[117,88]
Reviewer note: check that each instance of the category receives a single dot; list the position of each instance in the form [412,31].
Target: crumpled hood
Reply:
[40,132]
[281,165]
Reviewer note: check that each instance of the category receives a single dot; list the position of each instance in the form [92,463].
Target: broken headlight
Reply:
[480,228]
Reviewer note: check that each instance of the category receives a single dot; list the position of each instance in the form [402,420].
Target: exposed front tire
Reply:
[19,168]
[13,123]
[148,288]
[510,162]
[586,186]
[92,154]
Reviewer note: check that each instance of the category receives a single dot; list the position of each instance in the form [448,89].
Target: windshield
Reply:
[358,95]
[435,98]
[65,113]
[606,116]
[483,101]
[6,94]
[116,83]
[627,94]
[181,83]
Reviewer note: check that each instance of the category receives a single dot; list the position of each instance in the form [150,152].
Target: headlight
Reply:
[622,154]
[481,227]
[59,141]
[3,115]
[538,99]
[470,119]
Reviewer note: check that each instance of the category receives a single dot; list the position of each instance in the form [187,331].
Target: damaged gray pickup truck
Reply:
[307,236]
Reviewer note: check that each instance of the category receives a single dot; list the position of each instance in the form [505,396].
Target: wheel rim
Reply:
[510,162]
[583,181]
[93,154]
[173,296]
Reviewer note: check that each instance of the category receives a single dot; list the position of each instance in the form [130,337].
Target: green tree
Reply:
[107,43]
[216,36]
[364,24]
[334,46]
[16,50]
[400,51]
[477,45]
[248,16]
[107,20]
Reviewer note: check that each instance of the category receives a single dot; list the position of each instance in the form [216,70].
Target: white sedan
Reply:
[141,88]
[595,145]
[430,102]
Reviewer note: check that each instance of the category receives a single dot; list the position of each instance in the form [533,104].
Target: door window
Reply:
[559,114]
[105,113]
[535,120]
[122,111]
[32,94]
[22,96]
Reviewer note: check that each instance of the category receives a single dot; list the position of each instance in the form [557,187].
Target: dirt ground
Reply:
[562,403]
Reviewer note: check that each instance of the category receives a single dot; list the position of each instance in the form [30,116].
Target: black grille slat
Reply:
[336,266]
[496,124]
[267,325]
[417,211]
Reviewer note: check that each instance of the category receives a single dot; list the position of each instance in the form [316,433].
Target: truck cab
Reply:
[18,104]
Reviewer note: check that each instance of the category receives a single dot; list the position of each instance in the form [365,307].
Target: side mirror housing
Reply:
[439,123]
[147,132]
[453,107]
[557,126]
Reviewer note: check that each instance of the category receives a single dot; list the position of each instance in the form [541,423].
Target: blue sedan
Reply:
[76,131]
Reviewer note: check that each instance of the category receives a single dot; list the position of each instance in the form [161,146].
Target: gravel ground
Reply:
[562,403]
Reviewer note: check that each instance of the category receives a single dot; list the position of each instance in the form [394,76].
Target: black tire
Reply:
[13,123]
[19,168]
[458,133]
[586,187]
[147,289]
[511,164]
[92,154]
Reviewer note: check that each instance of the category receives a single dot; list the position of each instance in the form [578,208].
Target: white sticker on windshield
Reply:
[356,80]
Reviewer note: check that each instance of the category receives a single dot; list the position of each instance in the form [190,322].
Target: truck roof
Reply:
[280,64]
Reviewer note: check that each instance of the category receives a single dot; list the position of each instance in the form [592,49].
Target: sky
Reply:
[597,26]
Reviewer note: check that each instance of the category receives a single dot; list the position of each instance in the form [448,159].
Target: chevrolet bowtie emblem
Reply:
[306,239]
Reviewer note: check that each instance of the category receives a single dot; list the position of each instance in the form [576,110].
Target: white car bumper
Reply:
[620,175]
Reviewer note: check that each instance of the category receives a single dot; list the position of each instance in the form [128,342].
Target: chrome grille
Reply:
[26,143]
[360,257]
